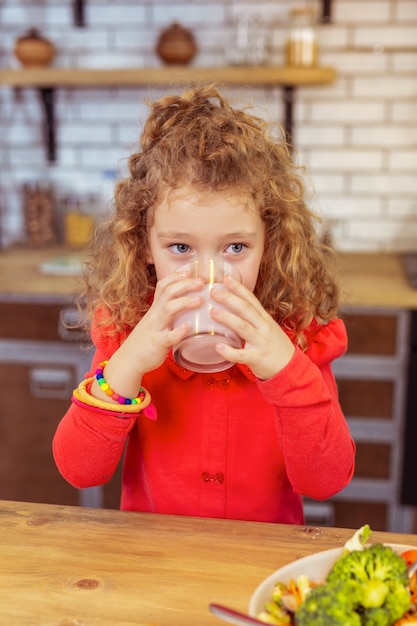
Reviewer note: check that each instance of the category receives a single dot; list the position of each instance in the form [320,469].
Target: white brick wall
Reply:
[357,137]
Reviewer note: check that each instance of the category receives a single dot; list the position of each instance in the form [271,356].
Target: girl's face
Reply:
[188,225]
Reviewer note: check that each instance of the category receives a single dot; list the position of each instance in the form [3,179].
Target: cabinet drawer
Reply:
[353,514]
[38,395]
[41,322]
[29,321]
[371,334]
[373,460]
[366,398]
[27,425]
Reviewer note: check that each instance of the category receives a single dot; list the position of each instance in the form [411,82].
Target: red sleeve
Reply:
[315,439]
[88,443]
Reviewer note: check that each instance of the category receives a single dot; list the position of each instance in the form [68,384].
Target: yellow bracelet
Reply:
[85,397]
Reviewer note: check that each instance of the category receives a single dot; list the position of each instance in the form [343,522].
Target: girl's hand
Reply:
[267,348]
[148,344]
[153,337]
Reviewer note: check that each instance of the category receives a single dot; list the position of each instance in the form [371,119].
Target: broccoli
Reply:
[398,599]
[396,604]
[331,604]
[367,587]
[377,617]
[376,562]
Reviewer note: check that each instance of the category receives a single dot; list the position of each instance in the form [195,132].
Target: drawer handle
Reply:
[69,328]
[48,383]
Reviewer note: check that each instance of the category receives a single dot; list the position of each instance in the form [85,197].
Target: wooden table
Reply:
[70,566]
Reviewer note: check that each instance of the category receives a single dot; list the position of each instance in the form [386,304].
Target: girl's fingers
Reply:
[188,288]
[175,293]
[244,305]
[247,330]
[236,292]
[176,284]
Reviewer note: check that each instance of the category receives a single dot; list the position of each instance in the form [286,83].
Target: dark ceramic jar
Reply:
[176,45]
[32,50]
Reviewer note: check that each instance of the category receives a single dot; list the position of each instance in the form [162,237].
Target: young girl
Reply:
[247,442]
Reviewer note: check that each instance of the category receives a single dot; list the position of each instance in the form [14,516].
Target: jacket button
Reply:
[214,383]
[218,477]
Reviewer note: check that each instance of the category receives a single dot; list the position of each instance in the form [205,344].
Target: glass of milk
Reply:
[196,351]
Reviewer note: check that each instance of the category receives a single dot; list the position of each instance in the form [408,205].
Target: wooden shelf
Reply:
[122,77]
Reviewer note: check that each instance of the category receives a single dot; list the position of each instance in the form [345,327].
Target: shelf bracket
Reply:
[47,96]
[78,11]
[289,99]
[326,13]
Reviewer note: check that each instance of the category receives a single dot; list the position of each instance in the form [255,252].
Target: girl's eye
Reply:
[179,248]
[235,248]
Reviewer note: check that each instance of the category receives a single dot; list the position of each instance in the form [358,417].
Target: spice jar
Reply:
[79,221]
[39,212]
[302,48]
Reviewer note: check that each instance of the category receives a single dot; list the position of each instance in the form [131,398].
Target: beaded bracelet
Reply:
[104,386]
[82,394]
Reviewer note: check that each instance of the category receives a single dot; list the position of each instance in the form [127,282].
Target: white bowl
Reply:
[315,566]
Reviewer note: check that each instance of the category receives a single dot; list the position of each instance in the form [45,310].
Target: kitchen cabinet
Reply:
[372,380]
[41,361]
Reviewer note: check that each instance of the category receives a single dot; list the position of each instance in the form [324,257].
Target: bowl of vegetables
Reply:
[359,584]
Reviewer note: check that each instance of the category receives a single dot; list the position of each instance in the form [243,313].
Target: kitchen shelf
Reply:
[47,79]
[132,77]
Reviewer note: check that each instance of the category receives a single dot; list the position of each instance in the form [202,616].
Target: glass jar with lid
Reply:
[302,49]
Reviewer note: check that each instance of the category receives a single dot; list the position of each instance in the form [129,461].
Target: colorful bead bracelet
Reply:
[104,386]
[83,396]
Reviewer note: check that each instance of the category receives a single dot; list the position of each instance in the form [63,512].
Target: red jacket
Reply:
[220,445]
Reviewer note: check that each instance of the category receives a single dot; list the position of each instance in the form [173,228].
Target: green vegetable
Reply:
[359,538]
[331,604]
[366,587]
[274,615]
[376,562]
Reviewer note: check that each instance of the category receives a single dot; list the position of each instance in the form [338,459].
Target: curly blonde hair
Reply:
[199,139]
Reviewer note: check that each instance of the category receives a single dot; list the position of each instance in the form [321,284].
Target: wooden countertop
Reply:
[374,280]
[22,278]
[367,279]
[70,565]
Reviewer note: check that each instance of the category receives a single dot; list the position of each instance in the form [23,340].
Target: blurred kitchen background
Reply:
[357,136]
